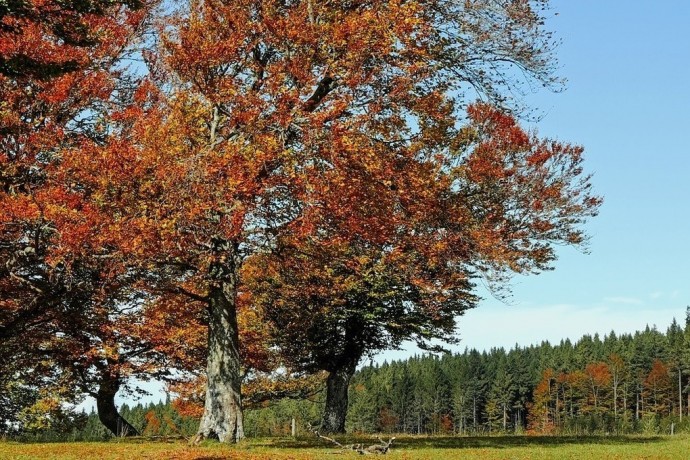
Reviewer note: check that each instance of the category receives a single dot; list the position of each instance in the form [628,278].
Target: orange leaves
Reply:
[327,137]
[190,397]
[58,67]
[541,416]
[658,388]
[658,375]
[526,187]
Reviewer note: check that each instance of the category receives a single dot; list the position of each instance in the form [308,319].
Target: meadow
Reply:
[407,447]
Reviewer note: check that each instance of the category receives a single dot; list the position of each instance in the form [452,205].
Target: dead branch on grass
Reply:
[381,448]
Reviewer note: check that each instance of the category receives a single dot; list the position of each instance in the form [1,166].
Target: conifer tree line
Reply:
[622,383]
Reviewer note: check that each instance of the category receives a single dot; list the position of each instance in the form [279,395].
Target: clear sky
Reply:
[627,101]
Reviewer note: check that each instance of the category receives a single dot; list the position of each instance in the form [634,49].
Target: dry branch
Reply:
[381,448]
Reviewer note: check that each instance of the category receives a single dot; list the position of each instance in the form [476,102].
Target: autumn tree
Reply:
[56,62]
[540,418]
[598,380]
[61,73]
[493,207]
[658,389]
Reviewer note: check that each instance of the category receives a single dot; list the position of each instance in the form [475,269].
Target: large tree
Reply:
[276,106]
[62,74]
[498,204]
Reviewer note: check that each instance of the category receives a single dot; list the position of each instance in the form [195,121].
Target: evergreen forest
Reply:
[616,384]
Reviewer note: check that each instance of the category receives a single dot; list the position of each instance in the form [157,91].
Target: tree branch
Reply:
[191,295]
[325,86]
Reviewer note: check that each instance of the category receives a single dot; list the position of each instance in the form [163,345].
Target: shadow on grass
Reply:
[461,442]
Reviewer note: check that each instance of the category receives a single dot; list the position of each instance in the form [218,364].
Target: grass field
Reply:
[443,448]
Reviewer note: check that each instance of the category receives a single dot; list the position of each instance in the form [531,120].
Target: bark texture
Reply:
[337,385]
[107,411]
[222,417]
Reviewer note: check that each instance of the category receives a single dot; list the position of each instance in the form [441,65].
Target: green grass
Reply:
[406,447]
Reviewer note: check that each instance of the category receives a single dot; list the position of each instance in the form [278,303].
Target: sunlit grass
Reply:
[406,447]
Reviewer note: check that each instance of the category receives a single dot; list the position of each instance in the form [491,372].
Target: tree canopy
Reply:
[319,165]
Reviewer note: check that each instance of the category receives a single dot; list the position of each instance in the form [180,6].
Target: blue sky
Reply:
[627,101]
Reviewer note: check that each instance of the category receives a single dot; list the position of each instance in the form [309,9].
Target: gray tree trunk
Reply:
[505,417]
[335,412]
[107,410]
[222,417]
[680,393]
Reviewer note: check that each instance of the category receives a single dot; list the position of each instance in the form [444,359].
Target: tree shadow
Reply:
[502,442]
[462,442]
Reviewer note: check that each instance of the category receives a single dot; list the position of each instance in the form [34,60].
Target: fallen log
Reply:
[382,448]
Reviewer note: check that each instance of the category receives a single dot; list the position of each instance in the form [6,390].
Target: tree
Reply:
[658,389]
[675,337]
[60,73]
[617,370]
[540,417]
[648,347]
[598,379]
[685,355]
[15,397]
[56,63]
[502,393]
[522,369]
[335,296]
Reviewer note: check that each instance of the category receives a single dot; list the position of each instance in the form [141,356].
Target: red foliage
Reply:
[58,289]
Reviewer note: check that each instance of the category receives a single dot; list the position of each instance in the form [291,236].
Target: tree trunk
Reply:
[336,397]
[557,412]
[474,413]
[625,398]
[615,398]
[107,410]
[680,394]
[222,418]
[505,418]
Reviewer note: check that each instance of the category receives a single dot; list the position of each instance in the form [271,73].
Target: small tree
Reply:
[540,416]
[658,388]
[598,380]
